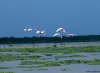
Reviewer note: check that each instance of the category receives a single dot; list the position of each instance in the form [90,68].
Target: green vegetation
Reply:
[29,70]
[40,69]
[10,57]
[43,57]
[6,67]
[29,66]
[6,72]
[58,63]
[69,49]
[26,66]
[93,62]
[70,56]
[48,54]
[44,63]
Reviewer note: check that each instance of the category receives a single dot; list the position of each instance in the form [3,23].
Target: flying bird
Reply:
[28,30]
[60,30]
[38,32]
[25,29]
[57,35]
[43,32]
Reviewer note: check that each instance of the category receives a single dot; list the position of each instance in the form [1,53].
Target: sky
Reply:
[81,17]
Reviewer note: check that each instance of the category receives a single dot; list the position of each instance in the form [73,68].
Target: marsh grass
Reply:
[26,66]
[43,69]
[10,57]
[59,63]
[69,49]
[90,62]
[38,62]
[6,67]
[48,54]
[38,69]
[42,64]
[29,70]
[6,72]
[70,56]
[30,66]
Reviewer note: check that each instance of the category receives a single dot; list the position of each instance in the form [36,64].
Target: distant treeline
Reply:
[14,40]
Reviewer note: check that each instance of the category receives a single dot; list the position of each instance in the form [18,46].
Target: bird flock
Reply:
[58,33]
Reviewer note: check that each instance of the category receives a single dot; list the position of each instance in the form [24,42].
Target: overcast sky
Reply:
[81,17]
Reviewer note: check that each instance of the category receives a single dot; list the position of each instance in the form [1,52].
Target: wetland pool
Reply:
[35,58]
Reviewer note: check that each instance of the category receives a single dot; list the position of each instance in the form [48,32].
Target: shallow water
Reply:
[71,68]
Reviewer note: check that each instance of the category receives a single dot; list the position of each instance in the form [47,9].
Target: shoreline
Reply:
[40,45]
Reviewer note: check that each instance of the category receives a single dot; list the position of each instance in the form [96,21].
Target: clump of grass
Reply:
[58,63]
[6,67]
[39,69]
[69,49]
[29,70]
[94,62]
[70,56]
[30,66]
[10,57]
[24,53]
[26,66]
[48,54]
[74,62]
[43,69]
[45,63]
[7,72]
[54,45]
[51,64]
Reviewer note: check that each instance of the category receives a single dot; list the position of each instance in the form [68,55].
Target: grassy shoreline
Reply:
[69,49]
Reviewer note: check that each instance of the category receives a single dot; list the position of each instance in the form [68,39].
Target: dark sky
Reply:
[76,16]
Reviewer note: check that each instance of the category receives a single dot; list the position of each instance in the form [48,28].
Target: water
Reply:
[71,68]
